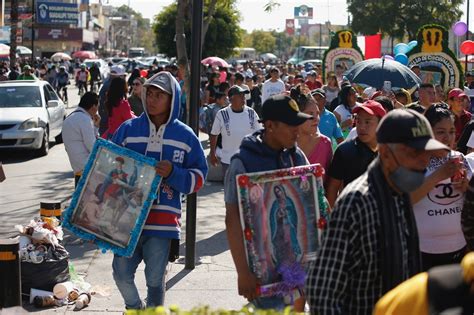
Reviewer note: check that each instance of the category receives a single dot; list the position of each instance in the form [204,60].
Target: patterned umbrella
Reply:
[60,56]
[84,54]
[22,50]
[215,61]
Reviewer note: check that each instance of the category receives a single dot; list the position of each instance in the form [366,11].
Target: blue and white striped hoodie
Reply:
[173,141]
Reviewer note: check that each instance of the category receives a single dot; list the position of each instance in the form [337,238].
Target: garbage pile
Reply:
[46,275]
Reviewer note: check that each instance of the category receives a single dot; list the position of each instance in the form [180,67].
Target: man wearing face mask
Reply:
[370,244]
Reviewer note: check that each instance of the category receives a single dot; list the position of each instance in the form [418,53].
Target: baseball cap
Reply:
[160,80]
[283,108]
[117,70]
[456,93]
[319,92]
[26,67]
[313,73]
[235,89]
[372,108]
[410,128]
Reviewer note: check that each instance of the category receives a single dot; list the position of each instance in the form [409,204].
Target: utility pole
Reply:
[33,17]
[191,206]
[13,29]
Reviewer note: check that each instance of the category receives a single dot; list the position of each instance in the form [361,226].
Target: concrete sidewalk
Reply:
[213,282]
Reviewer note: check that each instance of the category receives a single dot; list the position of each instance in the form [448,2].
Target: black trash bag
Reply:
[44,276]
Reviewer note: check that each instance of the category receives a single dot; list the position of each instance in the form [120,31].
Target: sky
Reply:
[254,17]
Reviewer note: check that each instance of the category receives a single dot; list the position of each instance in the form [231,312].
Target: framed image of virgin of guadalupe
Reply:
[282,213]
[113,198]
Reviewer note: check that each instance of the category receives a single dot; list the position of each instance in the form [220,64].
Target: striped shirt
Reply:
[346,277]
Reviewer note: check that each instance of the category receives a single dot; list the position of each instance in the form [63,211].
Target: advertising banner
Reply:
[56,13]
[290,27]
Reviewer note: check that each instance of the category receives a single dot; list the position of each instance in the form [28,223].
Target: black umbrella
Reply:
[375,71]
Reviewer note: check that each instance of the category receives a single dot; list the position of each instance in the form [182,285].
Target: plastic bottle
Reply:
[82,301]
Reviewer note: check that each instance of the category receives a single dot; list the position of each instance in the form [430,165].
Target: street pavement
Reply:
[213,282]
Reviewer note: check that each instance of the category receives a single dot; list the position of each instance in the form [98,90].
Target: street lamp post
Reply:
[191,206]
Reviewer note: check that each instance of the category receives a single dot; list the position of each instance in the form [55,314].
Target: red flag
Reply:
[290,26]
[373,46]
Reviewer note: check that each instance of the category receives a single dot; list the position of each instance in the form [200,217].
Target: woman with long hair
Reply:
[316,146]
[343,112]
[117,106]
[438,203]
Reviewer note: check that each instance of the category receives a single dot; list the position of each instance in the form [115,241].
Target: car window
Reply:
[52,94]
[20,96]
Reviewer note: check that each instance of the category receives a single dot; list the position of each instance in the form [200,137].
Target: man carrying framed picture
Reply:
[183,168]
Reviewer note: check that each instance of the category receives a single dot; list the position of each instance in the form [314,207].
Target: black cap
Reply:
[319,91]
[283,108]
[235,89]
[410,128]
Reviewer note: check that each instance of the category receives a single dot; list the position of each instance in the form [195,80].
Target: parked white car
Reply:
[31,115]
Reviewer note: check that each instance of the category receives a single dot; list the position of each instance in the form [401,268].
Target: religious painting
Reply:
[113,197]
[283,213]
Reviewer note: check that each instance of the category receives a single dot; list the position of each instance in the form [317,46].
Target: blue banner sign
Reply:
[56,13]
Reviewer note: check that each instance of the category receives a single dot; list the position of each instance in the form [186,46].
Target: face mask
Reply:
[406,180]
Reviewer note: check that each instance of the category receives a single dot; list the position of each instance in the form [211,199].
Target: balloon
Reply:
[388,57]
[412,44]
[401,58]
[459,28]
[467,47]
[400,48]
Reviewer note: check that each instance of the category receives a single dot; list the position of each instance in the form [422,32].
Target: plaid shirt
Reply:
[346,278]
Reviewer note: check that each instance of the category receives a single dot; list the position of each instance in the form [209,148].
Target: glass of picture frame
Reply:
[113,198]
[283,213]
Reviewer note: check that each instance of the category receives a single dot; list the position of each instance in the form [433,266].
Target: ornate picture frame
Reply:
[282,213]
[113,198]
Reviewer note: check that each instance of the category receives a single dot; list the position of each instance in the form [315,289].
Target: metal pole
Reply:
[13,29]
[33,10]
[467,34]
[193,122]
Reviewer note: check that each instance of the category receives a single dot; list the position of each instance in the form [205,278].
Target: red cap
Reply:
[456,93]
[372,108]
[376,94]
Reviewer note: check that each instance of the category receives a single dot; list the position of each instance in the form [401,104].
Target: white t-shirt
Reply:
[438,214]
[233,127]
[343,112]
[270,88]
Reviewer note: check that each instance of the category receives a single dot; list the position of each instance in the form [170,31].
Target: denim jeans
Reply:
[154,252]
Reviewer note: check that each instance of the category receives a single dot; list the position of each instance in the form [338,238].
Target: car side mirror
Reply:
[53,103]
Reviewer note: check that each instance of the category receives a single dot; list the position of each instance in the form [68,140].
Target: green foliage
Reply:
[263,41]
[221,37]
[402,17]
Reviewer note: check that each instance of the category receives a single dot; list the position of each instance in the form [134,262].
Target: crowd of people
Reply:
[400,150]
[397,163]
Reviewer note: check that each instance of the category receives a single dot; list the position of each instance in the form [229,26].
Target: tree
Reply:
[222,35]
[263,41]
[403,17]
